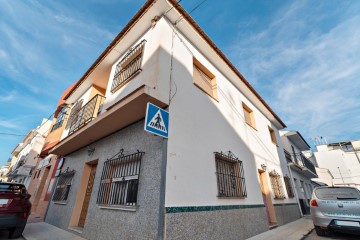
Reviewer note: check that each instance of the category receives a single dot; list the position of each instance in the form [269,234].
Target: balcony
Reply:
[87,113]
[92,127]
[301,164]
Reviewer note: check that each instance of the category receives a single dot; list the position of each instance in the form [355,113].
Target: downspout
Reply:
[295,190]
[161,219]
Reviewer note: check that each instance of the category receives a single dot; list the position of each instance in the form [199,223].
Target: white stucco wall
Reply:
[339,161]
[200,126]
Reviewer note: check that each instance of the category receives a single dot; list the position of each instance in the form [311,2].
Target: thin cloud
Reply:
[307,69]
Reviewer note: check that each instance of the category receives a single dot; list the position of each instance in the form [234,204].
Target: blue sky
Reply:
[303,57]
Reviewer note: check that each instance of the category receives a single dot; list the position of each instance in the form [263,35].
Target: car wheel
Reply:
[320,232]
[16,232]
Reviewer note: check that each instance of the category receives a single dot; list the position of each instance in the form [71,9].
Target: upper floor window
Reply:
[204,79]
[60,119]
[249,116]
[73,116]
[272,135]
[129,66]
[230,176]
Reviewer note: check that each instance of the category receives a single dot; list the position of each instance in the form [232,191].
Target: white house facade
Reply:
[220,174]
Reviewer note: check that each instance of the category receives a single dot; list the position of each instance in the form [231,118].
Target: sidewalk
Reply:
[45,231]
[292,231]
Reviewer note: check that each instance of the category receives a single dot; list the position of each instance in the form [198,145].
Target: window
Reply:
[249,116]
[204,79]
[288,186]
[63,186]
[230,176]
[73,116]
[120,180]
[128,67]
[276,185]
[60,119]
[272,135]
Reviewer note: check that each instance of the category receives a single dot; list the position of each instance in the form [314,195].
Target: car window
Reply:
[12,188]
[337,193]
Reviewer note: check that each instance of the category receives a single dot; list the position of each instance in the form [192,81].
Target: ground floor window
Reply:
[288,186]
[120,180]
[63,186]
[230,175]
[276,185]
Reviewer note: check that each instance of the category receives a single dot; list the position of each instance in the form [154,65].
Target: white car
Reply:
[335,208]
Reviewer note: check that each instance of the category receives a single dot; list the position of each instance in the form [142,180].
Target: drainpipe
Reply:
[161,219]
[295,190]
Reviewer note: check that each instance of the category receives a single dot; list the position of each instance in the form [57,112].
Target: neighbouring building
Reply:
[301,164]
[27,153]
[325,178]
[219,175]
[343,161]
[43,180]
[4,170]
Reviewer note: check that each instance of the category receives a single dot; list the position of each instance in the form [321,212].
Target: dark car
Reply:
[15,208]
[335,208]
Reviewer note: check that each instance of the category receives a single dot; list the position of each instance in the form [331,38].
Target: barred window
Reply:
[230,175]
[288,186]
[276,185]
[73,116]
[128,67]
[63,186]
[120,180]
[60,118]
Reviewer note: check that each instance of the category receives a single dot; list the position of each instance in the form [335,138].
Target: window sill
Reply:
[223,197]
[122,208]
[60,203]
[251,126]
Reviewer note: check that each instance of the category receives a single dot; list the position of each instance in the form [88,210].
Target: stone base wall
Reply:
[214,224]
[286,213]
[115,223]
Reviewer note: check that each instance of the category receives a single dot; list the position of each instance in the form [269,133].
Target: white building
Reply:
[219,173]
[25,155]
[343,161]
[301,164]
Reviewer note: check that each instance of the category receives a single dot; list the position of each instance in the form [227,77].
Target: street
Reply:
[339,236]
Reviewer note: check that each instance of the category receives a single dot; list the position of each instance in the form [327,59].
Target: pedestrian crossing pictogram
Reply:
[156,120]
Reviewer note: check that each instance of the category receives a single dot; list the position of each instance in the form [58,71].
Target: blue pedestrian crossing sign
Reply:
[157,120]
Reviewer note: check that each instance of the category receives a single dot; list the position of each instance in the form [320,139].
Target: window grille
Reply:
[73,116]
[60,119]
[276,185]
[128,67]
[63,186]
[288,186]
[120,180]
[230,175]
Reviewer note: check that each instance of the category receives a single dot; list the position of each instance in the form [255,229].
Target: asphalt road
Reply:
[338,236]
[4,235]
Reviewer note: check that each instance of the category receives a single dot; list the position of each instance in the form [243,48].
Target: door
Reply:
[265,190]
[87,196]
[40,188]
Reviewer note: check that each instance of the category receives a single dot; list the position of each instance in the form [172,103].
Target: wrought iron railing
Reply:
[128,67]
[120,180]
[276,184]
[230,175]
[87,113]
[300,160]
[63,186]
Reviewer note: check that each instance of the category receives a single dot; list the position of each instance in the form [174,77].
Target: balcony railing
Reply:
[300,160]
[87,113]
